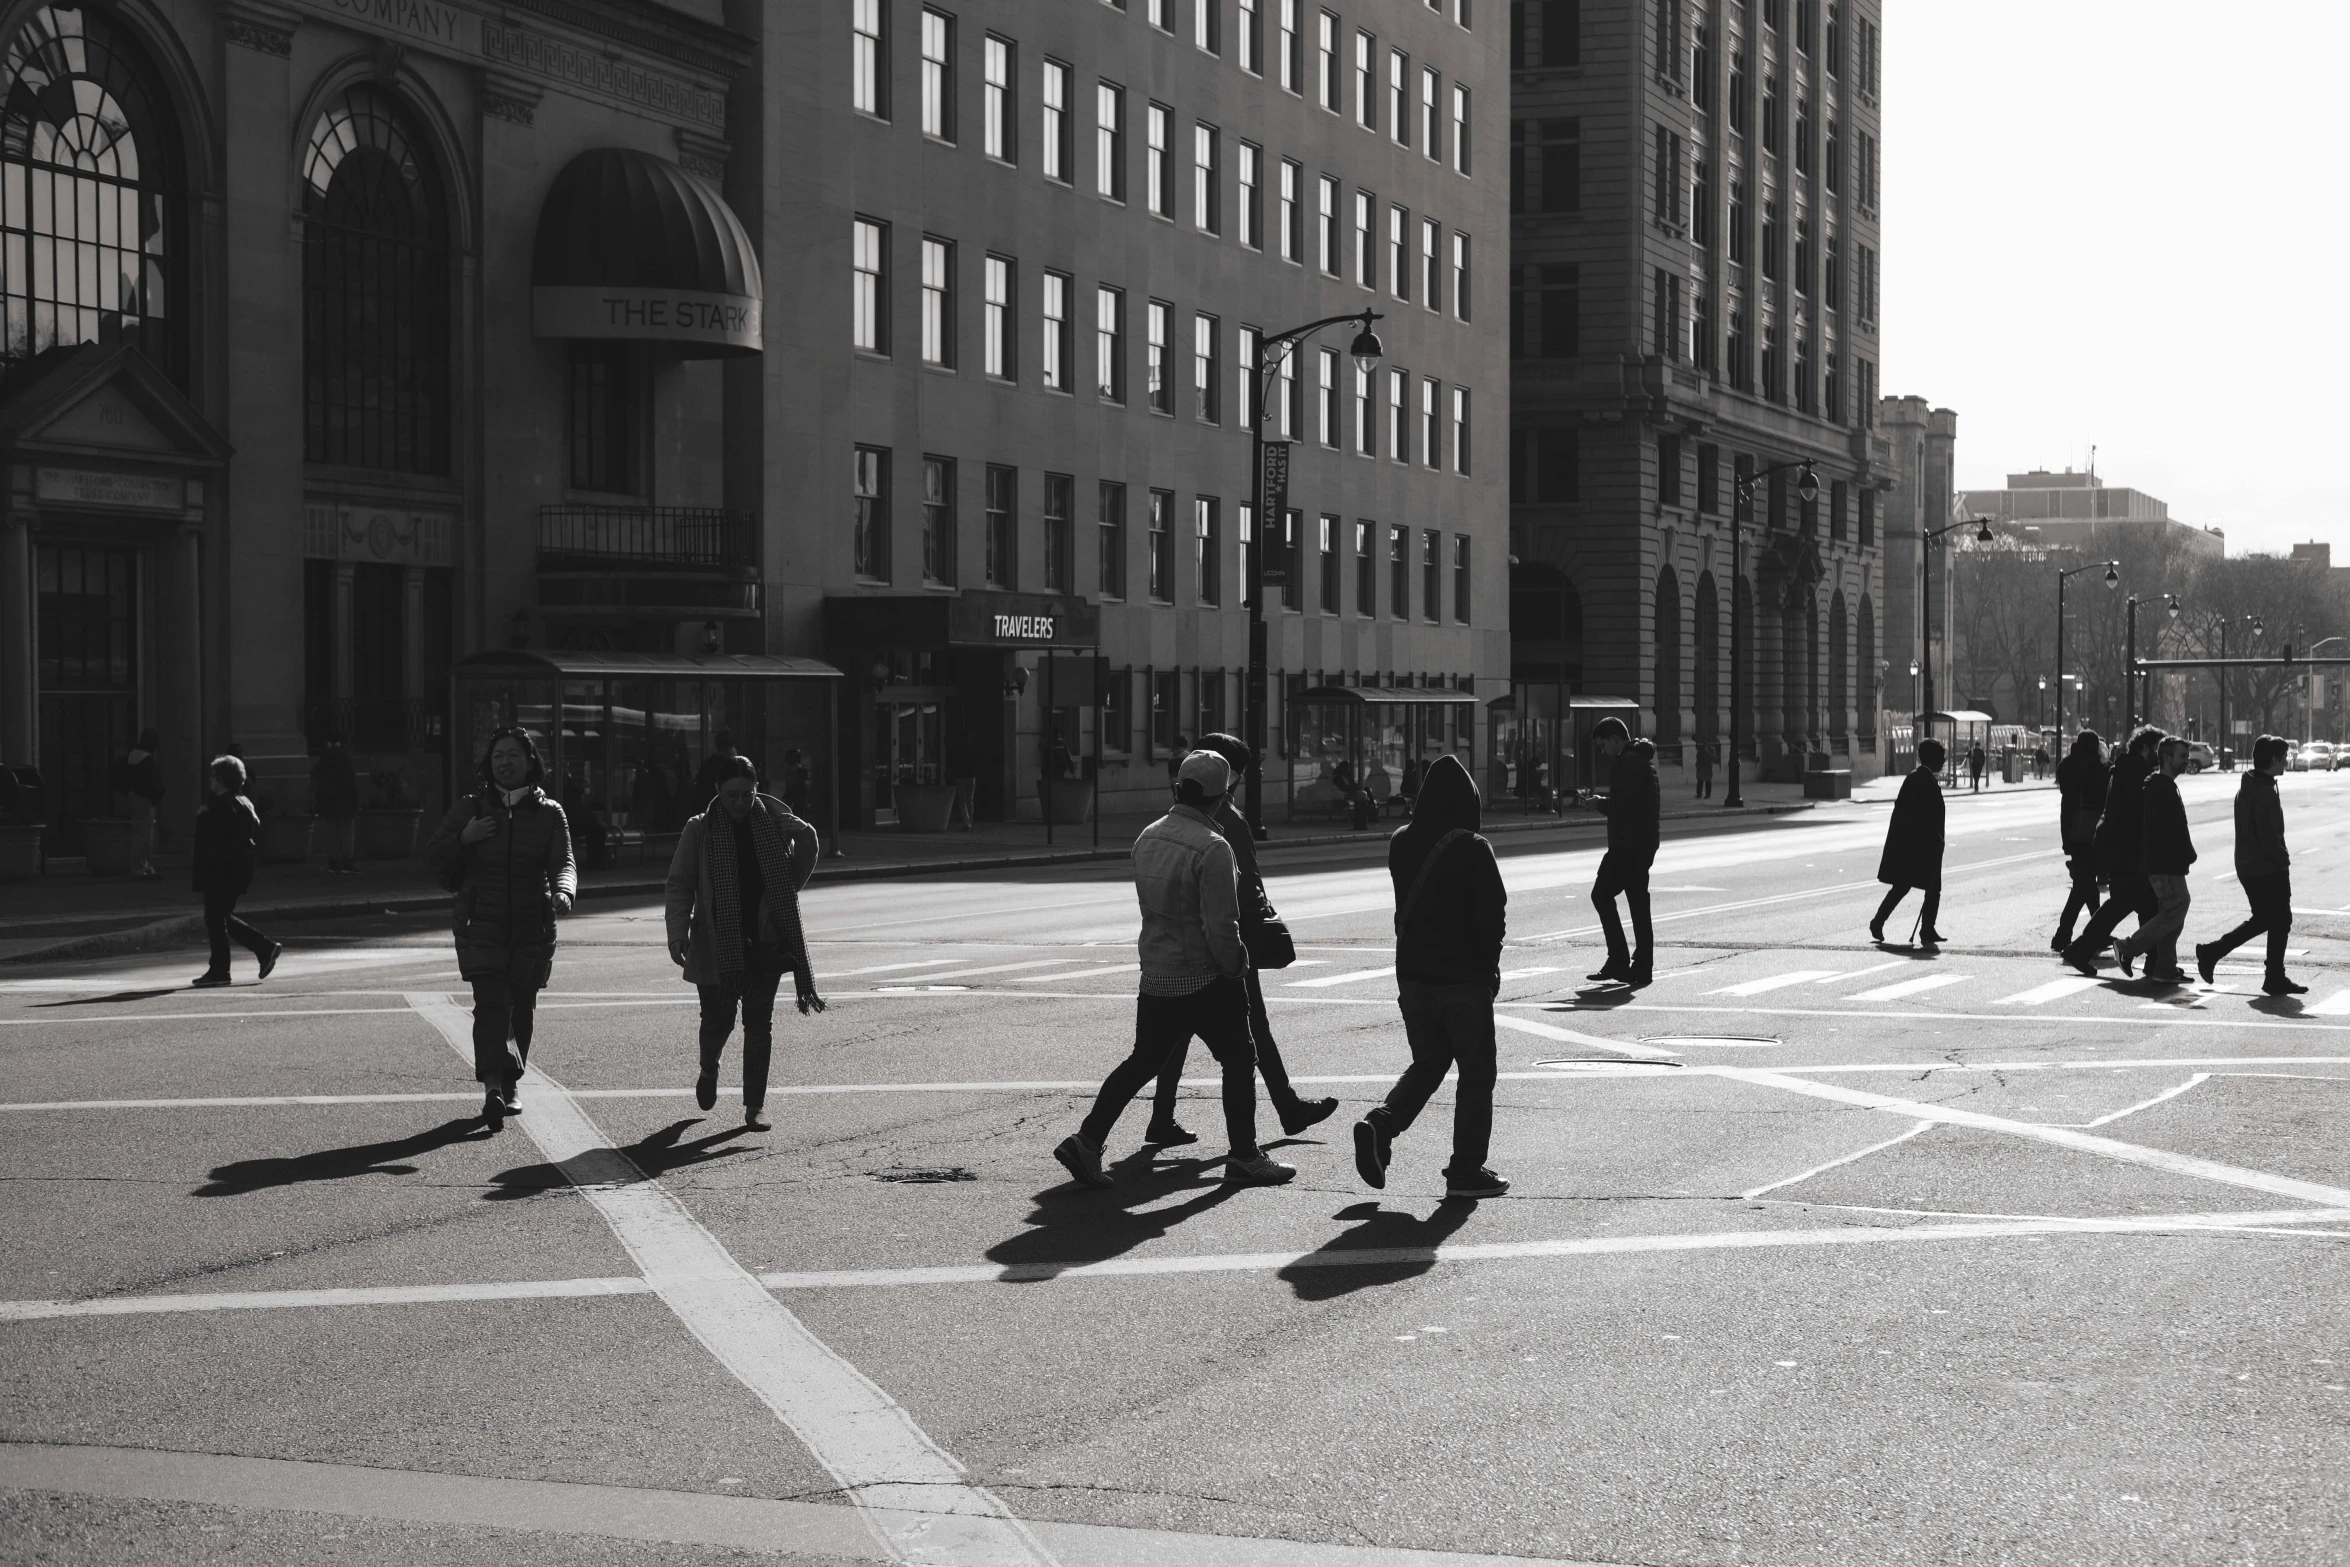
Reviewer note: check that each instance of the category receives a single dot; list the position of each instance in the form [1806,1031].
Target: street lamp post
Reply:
[1807,485]
[2312,683]
[2130,663]
[2112,581]
[1272,349]
[1927,537]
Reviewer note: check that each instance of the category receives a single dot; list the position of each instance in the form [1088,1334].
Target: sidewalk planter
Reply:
[20,853]
[924,807]
[109,845]
[1067,802]
[389,833]
[285,840]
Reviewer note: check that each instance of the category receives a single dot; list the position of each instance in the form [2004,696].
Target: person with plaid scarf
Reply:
[733,911]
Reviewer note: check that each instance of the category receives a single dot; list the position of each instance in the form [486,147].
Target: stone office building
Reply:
[1694,278]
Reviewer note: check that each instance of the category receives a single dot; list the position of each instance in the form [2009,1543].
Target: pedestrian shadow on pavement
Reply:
[648,1158]
[1384,1247]
[2278,1006]
[99,1001]
[1073,1225]
[246,1176]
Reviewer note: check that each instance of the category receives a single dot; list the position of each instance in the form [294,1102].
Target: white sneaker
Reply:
[1263,1170]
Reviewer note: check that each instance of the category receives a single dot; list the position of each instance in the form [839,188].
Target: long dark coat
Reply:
[504,915]
[226,845]
[1913,840]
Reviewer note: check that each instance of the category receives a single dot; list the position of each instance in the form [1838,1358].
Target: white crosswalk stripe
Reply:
[1756,987]
[2054,990]
[1083,973]
[971,973]
[2335,1005]
[1911,987]
[1349,978]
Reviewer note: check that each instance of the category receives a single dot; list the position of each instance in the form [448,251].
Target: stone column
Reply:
[345,621]
[18,691]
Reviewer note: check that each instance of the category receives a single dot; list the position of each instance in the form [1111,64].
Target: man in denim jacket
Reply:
[1193,965]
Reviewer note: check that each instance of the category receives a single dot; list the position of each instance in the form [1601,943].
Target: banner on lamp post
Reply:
[1273,527]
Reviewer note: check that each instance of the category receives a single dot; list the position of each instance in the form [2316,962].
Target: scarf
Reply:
[782,903]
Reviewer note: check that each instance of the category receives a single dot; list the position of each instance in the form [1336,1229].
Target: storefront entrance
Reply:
[910,749]
[86,608]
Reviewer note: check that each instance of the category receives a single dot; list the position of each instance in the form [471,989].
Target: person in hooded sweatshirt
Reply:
[2127,889]
[2265,869]
[1913,846]
[1449,921]
[2165,851]
[2080,790]
[1634,807]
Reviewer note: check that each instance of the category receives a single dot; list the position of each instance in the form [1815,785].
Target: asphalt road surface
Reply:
[1818,1252]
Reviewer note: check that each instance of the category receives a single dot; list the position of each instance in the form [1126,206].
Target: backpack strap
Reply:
[1411,901]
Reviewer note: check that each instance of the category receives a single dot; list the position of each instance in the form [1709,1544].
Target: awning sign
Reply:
[681,318]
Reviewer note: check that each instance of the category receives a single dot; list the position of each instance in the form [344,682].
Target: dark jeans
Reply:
[221,923]
[2271,898]
[1447,1025]
[2081,900]
[501,1010]
[1623,876]
[1260,1028]
[753,990]
[1926,914]
[1163,1025]
[2126,894]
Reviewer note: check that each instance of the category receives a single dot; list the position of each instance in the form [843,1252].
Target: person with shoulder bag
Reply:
[1269,947]
[226,848]
[505,851]
[733,914]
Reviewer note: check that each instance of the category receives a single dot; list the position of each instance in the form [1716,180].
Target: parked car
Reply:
[2296,761]
[2200,756]
[2322,756]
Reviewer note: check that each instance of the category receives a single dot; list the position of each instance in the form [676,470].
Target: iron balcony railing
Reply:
[658,538]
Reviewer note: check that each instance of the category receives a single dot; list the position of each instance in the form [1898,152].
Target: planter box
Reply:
[389,834]
[285,840]
[1828,783]
[924,807]
[109,845]
[1067,802]
[20,852]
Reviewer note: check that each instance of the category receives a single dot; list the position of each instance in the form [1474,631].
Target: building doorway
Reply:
[87,613]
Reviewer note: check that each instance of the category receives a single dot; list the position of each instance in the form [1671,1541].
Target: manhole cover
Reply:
[1710,1042]
[925,1177]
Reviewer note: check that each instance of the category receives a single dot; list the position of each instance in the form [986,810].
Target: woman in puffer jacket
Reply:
[505,850]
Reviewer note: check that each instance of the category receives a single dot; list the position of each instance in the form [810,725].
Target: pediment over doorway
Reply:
[105,403]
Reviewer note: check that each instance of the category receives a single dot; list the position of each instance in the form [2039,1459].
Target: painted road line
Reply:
[2164,1097]
[200,1017]
[1834,1164]
[1569,1036]
[1351,977]
[1756,987]
[1911,987]
[1083,973]
[992,968]
[2335,1005]
[885,968]
[1525,973]
[295,1300]
[1782,897]
[861,1436]
[2075,1021]
[2054,990]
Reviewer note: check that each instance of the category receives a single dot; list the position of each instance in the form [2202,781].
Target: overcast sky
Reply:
[2121,222]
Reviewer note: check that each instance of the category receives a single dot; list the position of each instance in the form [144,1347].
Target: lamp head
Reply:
[713,638]
[1366,348]
[1807,485]
[2171,604]
[1983,534]
[1913,669]
[2113,578]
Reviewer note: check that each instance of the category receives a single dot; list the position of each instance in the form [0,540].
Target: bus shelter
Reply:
[1541,753]
[1372,738]
[624,735]
[1958,731]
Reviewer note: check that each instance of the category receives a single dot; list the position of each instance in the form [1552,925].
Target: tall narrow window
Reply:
[1109,141]
[1206,31]
[1460,129]
[606,417]
[1060,533]
[1285,394]
[1399,253]
[1003,526]
[1399,103]
[1244,361]
[1326,88]
[1161,392]
[868,59]
[1366,243]
[1366,80]
[869,285]
[1432,113]
[1326,224]
[869,540]
[1001,362]
[1366,427]
[1252,196]
[1327,562]
[1109,354]
[1053,123]
[1366,567]
[1206,209]
[1460,429]
[1460,275]
[1460,578]
[1431,431]
[1207,550]
[1001,128]
[1399,415]
[938,302]
[1205,381]
[1293,583]
[1111,530]
[1326,396]
[1290,61]
[1287,217]
[1161,542]
[938,520]
[1431,575]
[1053,352]
[1252,38]
[1667,336]
[1159,160]
[1432,264]
[938,75]
[1399,572]
[1160,14]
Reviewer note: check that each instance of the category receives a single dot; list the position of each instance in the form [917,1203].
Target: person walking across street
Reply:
[1913,847]
[1974,768]
[1296,1113]
[2264,868]
[722,752]
[2165,850]
[334,799]
[2126,889]
[1193,978]
[1705,771]
[1634,807]
[733,915]
[1450,917]
[2080,793]
[140,775]
[227,845]
[505,851]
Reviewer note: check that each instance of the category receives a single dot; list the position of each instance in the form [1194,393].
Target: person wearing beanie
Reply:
[2263,867]
[1913,846]
[2166,849]
[1635,810]
[1194,967]
[2118,843]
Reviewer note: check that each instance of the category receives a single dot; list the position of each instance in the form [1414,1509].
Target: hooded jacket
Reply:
[2118,830]
[505,910]
[1635,804]
[2260,828]
[2165,848]
[2080,785]
[1454,931]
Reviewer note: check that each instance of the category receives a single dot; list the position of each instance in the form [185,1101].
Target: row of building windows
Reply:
[1546,468]
[1166,543]
[1216,697]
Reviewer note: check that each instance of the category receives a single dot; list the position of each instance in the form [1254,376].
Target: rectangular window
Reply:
[1460,274]
[1000,359]
[1161,390]
[1003,527]
[1460,429]
[1545,464]
[1053,127]
[1326,224]
[1399,101]
[1109,343]
[1247,515]
[1326,63]
[1546,165]
[1291,222]
[1399,572]
[1112,531]
[1665,198]
[1328,575]
[1060,533]
[1160,14]
[1160,524]
[1545,34]
[1399,415]
[1399,252]
[1288,413]
[606,417]
[1205,383]
[1291,62]
[1866,286]
[1868,517]
[1366,567]
[1252,196]
[1460,129]
[1207,550]
[1206,33]
[1546,312]
[1668,39]
[938,520]
[1109,141]
[868,59]
[1245,361]
[1206,210]
[1431,264]
[1054,357]
[938,75]
[1326,396]
[1366,82]
[1836,509]
[1159,160]
[1709,480]
[1000,129]
[1666,327]
[1460,578]
[1166,689]
[1668,470]
[869,543]
[1252,38]
[869,286]
[1431,113]
[1293,580]
[938,302]
[1431,575]
[1431,434]
[1366,243]
[1366,417]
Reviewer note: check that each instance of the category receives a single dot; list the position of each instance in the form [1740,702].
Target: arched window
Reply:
[89,194]
[1668,662]
[375,290]
[1709,660]
[1839,681]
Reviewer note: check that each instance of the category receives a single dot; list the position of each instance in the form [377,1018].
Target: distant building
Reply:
[1924,442]
[2071,508]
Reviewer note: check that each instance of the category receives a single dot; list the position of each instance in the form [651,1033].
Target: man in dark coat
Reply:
[1634,807]
[226,847]
[1913,846]
[2080,790]
[2127,890]
[2265,869]
[1705,770]
[1450,910]
[2165,850]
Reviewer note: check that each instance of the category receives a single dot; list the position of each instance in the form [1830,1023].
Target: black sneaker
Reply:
[1473,1184]
[1258,1169]
[208,981]
[706,1089]
[755,1118]
[511,1094]
[1083,1161]
[2081,959]
[277,949]
[1166,1134]
[2278,985]
[493,1108]
[1877,932]
[1371,1151]
[1609,974]
[2123,955]
[1309,1112]
[2206,958]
